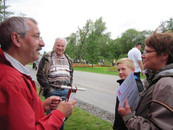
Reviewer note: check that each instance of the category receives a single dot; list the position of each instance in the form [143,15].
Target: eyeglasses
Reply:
[37,37]
[147,51]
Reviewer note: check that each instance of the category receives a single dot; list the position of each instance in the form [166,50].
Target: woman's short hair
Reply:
[162,43]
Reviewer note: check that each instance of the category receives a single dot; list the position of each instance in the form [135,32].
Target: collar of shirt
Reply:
[16,64]
[55,55]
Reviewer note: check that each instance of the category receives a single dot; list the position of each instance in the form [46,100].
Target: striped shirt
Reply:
[59,71]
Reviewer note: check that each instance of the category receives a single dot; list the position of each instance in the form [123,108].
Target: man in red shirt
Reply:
[20,106]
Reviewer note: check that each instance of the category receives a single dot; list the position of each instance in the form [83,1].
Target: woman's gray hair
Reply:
[10,25]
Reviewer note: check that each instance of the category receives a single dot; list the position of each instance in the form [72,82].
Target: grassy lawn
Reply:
[100,70]
[83,120]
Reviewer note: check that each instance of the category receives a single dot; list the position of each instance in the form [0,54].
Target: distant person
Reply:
[20,106]
[113,62]
[124,66]
[35,64]
[135,55]
[155,108]
[102,62]
[55,69]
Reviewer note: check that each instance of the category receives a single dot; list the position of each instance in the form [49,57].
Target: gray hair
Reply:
[10,25]
[62,39]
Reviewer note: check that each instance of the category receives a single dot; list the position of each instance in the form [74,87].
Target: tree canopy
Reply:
[2,13]
[93,43]
[166,25]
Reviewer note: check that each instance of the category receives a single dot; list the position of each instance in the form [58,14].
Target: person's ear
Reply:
[165,56]
[16,39]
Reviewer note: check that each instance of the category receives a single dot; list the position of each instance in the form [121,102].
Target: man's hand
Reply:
[66,107]
[51,103]
[124,111]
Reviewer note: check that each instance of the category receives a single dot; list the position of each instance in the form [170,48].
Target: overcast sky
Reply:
[60,18]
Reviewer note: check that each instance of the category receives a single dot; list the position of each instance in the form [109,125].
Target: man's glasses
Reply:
[37,37]
[147,51]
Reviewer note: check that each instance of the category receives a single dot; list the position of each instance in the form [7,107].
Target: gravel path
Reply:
[104,115]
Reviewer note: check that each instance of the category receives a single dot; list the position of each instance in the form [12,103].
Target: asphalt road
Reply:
[100,89]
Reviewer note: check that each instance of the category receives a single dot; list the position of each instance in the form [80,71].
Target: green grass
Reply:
[83,120]
[101,70]
[30,64]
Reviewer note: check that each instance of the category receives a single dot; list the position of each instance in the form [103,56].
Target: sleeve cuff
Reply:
[59,114]
[128,116]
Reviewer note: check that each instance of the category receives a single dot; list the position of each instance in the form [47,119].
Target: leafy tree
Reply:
[92,49]
[70,49]
[102,38]
[132,36]
[7,13]
[92,43]
[166,25]
[1,11]
[116,50]
[83,39]
[105,47]
[128,39]
[97,42]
